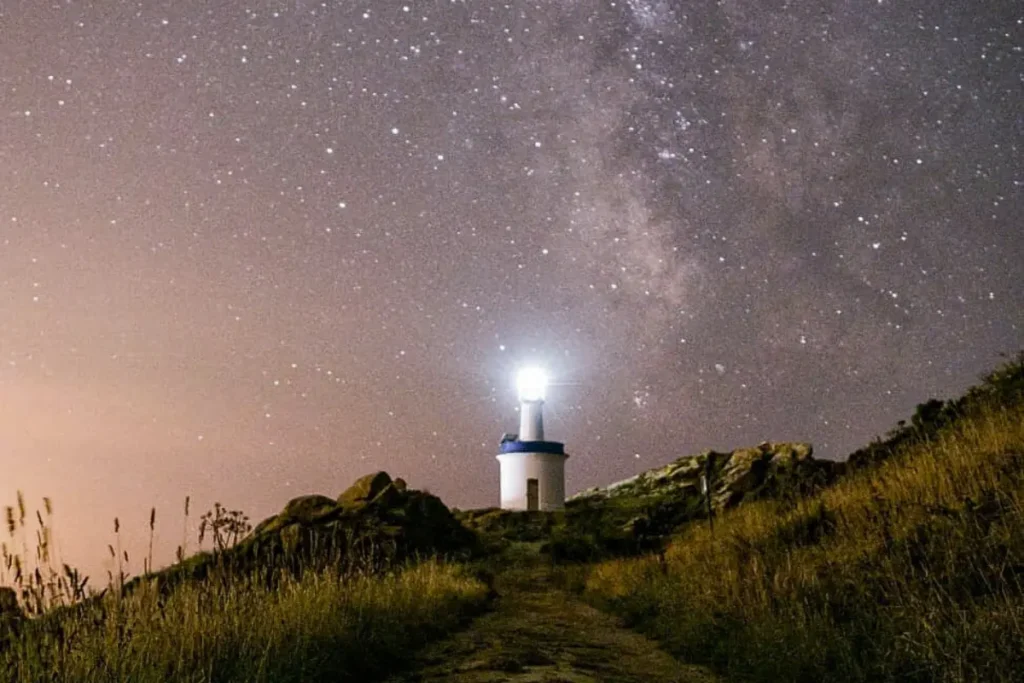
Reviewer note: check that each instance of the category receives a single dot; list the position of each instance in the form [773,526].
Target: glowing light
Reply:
[532,384]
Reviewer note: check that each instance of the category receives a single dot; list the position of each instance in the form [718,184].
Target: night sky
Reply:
[252,250]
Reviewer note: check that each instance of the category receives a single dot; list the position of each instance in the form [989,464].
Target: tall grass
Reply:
[38,578]
[302,618]
[324,626]
[912,571]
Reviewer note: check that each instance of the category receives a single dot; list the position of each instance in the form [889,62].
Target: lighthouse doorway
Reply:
[532,495]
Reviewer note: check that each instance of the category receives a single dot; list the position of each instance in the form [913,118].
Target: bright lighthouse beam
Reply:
[532,384]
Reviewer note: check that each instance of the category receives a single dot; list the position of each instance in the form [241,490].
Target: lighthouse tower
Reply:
[532,469]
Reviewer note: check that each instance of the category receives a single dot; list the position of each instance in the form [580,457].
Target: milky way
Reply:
[255,250]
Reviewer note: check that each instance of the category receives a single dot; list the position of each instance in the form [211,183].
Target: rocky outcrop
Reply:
[375,522]
[743,474]
[640,513]
[375,514]
[308,509]
[365,489]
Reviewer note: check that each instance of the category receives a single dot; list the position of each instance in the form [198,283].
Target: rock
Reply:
[734,475]
[364,490]
[390,496]
[788,454]
[291,537]
[374,512]
[375,522]
[272,523]
[309,509]
[744,472]
[656,502]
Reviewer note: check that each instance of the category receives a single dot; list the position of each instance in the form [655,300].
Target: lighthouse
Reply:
[532,468]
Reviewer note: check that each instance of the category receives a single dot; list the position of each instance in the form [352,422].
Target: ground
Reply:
[538,633]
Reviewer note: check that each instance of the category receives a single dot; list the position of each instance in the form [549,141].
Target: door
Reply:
[532,495]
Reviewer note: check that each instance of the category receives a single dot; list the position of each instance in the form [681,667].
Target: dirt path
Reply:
[538,633]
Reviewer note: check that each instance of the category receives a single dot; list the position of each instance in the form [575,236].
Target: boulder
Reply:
[428,526]
[272,523]
[375,512]
[375,522]
[658,501]
[389,497]
[291,538]
[364,489]
[788,454]
[744,472]
[309,509]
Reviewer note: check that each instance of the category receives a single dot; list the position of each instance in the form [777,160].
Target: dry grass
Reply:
[267,625]
[321,627]
[913,570]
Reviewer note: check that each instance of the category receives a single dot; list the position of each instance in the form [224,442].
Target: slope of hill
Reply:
[911,568]
[375,523]
[650,506]
[907,564]
[641,513]
[324,590]
[769,469]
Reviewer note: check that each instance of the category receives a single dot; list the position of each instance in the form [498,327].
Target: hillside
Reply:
[376,523]
[641,513]
[906,564]
[328,589]
[909,568]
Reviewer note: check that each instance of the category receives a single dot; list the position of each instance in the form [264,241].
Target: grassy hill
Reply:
[906,563]
[910,567]
[325,590]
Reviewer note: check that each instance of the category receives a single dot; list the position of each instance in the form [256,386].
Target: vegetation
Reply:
[324,626]
[1002,386]
[909,569]
[250,610]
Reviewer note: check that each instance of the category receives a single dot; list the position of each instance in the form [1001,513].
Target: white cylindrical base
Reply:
[518,470]
[531,421]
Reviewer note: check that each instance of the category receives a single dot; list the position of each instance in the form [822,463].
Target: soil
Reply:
[538,633]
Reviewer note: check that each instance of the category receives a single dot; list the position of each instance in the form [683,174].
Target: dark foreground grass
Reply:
[321,627]
[910,571]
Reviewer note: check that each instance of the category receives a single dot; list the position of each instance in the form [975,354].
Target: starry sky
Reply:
[252,250]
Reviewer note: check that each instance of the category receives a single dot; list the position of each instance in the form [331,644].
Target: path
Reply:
[537,633]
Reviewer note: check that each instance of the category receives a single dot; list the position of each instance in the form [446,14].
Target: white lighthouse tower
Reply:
[532,469]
